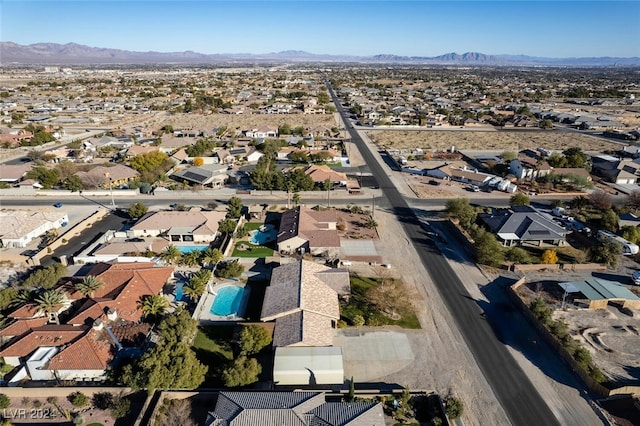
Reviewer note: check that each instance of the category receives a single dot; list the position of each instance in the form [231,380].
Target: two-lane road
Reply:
[513,389]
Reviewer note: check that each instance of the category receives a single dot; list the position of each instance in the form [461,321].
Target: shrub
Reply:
[454,407]
[357,320]
[4,401]
[52,399]
[549,257]
[78,399]
[102,400]
[120,408]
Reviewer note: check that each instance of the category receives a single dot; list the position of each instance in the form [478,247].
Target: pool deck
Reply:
[202,312]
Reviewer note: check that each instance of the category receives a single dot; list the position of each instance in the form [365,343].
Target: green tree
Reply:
[606,251]
[541,311]
[243,371]
[50,302]
[230,269]
[89,285]
[211,256]
[168,365]
[153,306]
[519,199]
[195,287]
[285,129]
[580,202]
[630,233]
[352,390]
[461,209]
[609,220]
[48,178]
[192,258]
[576,158]
[151,166]
[371,223]
[296,180]
[234,208]
[488,250]
[177,326]
[5,401]
[227,226]
[518,255]
[171,254]
[120,408]
[45,278]
[253,338]
[299,157]
[137,210]
[296,198]
[321,156]
[72,183]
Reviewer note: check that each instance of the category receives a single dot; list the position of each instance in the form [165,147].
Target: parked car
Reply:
[635,278]
[434,182]
[475,188]
[57,205]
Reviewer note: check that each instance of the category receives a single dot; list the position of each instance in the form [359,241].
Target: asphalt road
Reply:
[513,389]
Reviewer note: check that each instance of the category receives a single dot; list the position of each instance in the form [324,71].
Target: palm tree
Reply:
[211,256]
[23,297]
[50,302]
[170,253]
[89,285]
[192,258]
[153,306]
[371,223]
[194,288]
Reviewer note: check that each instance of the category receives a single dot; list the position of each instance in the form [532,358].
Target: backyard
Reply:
[212,346]
[378,302]
[246,247]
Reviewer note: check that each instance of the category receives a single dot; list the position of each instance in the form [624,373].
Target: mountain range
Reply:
[77,54]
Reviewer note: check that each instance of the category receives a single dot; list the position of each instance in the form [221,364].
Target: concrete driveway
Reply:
[370,354]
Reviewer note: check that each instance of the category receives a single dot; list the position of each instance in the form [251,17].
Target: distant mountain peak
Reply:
[74,53]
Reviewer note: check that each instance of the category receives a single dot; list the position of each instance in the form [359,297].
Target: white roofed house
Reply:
[180,226]
[262,132]
[20,227]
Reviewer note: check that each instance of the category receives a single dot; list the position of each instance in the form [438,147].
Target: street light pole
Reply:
[113,202]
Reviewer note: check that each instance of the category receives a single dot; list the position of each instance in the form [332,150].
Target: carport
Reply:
[598,293]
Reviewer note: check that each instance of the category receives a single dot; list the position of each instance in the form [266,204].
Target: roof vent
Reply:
[97,324]
[112,314]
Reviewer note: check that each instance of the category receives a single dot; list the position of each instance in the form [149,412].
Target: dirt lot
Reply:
[611,335]
[434,140]
[355,226]
[240,121]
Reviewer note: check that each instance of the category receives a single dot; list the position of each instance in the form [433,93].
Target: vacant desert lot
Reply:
[434,140]
[241,121]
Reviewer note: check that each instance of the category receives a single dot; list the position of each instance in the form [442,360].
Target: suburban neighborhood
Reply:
[346,245]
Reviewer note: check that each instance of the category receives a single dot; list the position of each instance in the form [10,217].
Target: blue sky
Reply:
[419,28]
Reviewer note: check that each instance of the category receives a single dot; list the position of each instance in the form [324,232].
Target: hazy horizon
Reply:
[359,28]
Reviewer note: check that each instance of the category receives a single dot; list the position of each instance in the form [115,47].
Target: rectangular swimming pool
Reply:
[188,249]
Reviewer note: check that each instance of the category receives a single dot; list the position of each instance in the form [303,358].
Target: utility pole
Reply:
[373,206]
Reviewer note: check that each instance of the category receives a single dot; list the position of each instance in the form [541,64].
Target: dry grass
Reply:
[434,140]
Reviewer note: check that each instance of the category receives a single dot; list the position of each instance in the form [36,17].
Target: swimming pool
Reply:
[227,301]
[179,291]
[187,249]
[263,235]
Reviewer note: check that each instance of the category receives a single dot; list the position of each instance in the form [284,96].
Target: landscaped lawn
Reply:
[212,346]
[253,251]
[566,254]
[252,226]
[369,298]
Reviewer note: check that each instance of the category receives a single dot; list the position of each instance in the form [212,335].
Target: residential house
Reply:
[529,167]
[20,227]
[460,174]
[211,175]
[613,169]
[291,409]
[262,132]
[13,137]
[13,173]
[320,174]
[197,226]
[309,231]
[104,326]
[106,177]
[572,171]
[523,225]
[303,301]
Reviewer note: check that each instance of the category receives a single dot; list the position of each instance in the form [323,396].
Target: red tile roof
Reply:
[25,311]
[92,351]
[47,335]
[22,326]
